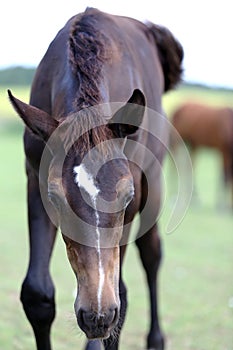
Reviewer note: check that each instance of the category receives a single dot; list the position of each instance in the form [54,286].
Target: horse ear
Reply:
[128,118]
[38,121]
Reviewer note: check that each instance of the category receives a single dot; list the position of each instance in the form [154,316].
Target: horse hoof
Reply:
[94,345]
[155,342]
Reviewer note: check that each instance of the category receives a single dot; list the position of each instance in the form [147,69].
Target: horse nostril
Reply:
[80,318]
[112,317]
[86,319]
[116,315]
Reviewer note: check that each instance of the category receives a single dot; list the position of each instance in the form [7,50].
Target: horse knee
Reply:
[150,249]
[159,251]
[38,303]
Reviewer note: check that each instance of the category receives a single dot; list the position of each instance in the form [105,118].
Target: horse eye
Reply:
[125,192]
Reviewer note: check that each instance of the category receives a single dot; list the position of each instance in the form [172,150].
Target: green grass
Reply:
[195,281]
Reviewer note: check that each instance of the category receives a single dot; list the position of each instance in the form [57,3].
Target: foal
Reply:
[92,165]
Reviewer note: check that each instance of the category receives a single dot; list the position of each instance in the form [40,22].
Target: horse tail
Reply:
[170,53]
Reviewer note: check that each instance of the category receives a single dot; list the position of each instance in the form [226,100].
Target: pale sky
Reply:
[204,28]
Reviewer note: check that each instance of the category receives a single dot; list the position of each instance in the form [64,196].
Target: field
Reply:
[195,282]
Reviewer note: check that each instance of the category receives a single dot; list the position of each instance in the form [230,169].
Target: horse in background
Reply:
[201,125]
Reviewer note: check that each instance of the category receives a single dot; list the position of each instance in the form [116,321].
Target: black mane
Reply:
[88,50]
[87,53]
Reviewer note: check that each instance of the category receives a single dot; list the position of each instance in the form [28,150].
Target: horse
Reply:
[84,181]
[201,125]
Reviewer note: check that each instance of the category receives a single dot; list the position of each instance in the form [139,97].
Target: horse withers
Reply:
[204,126]
[86,143]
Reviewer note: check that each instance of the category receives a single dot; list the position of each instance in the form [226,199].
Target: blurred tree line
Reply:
[21,76]
[16,76]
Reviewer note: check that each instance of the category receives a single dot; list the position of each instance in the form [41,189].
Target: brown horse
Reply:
[88,170]
[202,125]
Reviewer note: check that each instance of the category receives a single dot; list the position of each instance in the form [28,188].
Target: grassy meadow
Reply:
[196,276]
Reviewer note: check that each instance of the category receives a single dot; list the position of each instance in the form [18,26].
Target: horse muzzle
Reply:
[98,325]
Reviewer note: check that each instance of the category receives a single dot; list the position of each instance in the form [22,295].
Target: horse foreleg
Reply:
[150,253]
[37,294]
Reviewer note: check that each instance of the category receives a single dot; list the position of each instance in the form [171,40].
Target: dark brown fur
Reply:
[71,127]
[88,50]
[170,53]
[96,58]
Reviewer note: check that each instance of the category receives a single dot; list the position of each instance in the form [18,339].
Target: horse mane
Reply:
[170,54]
[83,136]
[88,49]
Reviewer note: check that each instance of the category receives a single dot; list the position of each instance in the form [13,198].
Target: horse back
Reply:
[204,125]
[131,58]
[97,58]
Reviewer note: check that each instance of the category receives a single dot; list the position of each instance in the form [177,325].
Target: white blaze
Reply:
[86,181]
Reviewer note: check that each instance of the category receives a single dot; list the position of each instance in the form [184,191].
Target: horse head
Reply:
[86,186]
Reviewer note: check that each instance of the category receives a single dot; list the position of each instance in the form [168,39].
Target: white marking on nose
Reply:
[101,269]
[86,181]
